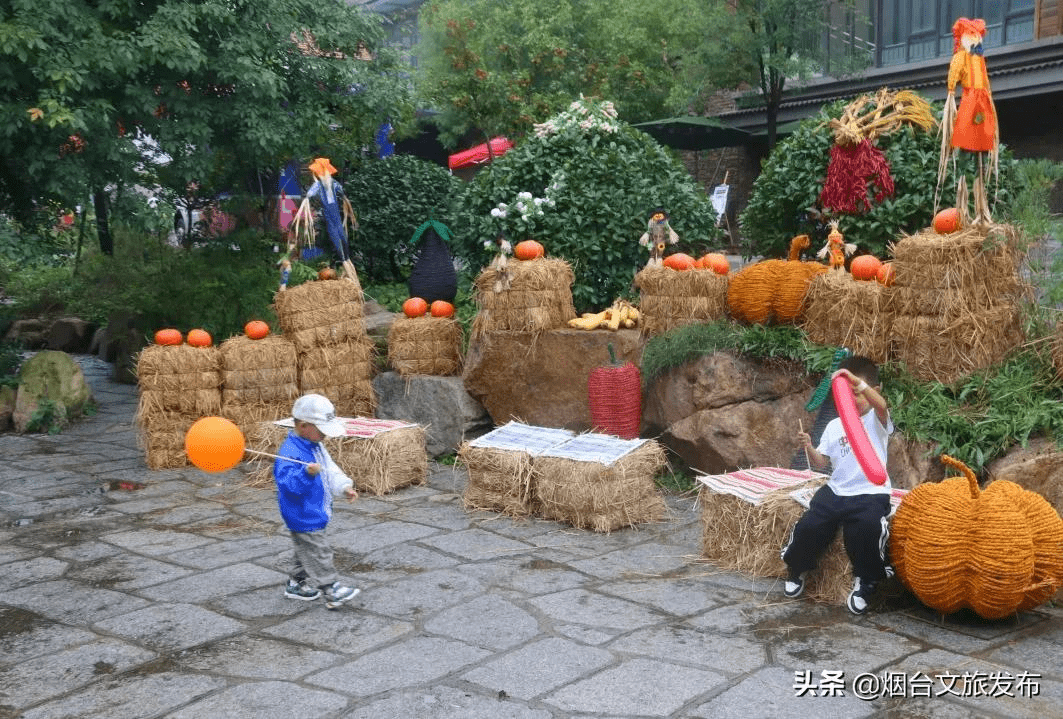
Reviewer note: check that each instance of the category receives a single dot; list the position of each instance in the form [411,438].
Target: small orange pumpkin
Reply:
[679,261]
[414,307]
[256,329]
[442,308]
[326,273]
[528,250]
[168,337]
[946,221]
[199,338]
[716,262]
[885,274]
[865,267]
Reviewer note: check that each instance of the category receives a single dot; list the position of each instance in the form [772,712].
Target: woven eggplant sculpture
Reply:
[433,276]
[995,551]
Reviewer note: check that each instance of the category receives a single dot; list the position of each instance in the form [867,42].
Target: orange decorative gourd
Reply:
[995,551]
[946,221]
[679,261]
[442,308]
[528,250]
[326,273]
[716,262]
[168,337]
[414,307]
[199,338]
[865,267]
[885,274]
[256,329]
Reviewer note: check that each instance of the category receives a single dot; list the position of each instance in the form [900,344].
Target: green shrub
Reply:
[792,179]
[392,198]
[597,186]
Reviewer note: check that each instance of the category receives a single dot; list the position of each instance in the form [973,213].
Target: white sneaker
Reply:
[857,601]
[337,594]
[794,587]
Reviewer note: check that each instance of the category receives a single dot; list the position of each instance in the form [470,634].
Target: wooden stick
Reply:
[801,426]
[276,456]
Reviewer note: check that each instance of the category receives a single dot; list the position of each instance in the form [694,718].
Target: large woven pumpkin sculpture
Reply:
[773,290]
[996,551]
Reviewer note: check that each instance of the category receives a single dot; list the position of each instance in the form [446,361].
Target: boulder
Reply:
[377,319]
[69,334]
[29,333]
[541,378]
[911,462]
[1037,467]
[439,403]
[7,406]
[53,377]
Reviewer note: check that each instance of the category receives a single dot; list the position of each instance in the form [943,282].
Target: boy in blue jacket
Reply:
[305,488]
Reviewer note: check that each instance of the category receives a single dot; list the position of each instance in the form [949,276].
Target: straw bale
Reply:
[377,465]
[161,434]
[589,495]
[320,313]
[180,379]
[498,481]
[539,297]
[258,373]
[247,416]
[342,372]
[843,312]
[973,246]
[947,349]
[671,298]
[742,537]
[425,345]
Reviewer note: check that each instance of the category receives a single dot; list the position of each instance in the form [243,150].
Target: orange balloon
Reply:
[214,444]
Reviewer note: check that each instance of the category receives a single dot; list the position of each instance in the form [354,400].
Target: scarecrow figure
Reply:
[500,264]
[658,234]
[335,208]
[974,127]
[837,247]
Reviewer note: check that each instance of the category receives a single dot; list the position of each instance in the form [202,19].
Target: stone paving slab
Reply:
[164,599]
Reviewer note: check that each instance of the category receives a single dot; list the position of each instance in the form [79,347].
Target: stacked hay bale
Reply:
[527,296]
[599,497]
[323,320]
[178,384]
[425,345]
[955,301]
[672,298]
[378,462]
[841,311]
[259,380]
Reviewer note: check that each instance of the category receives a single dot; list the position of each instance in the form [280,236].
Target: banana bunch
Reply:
[621,314]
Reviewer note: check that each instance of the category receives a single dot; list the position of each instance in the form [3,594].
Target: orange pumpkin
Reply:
[168,337]
[716,262]
[865,267]
[885,274]
[679,261]
[946,221]
[256,329]
[199,338]
[442,308]
[414,307]
[528,250]
[326,273]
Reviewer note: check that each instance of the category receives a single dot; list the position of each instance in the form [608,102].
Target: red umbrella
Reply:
[479,154]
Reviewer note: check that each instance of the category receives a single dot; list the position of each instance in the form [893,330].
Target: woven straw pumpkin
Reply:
[773,289]
[996,551]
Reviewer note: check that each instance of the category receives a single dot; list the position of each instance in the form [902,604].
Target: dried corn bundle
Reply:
[844,312]
[539,297]
[955,301]
[425,345]
[259,379]
[320,313]
[342,372]
[590,495]
[671,298]
[499,481]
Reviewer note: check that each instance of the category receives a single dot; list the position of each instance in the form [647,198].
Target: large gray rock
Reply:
[69,334]
[440,403]
[1037,467]
[30,333]
[50,377]
[911,462]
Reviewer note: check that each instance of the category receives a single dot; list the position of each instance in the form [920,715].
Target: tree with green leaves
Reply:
[220,87]
[767,45]
[498,68]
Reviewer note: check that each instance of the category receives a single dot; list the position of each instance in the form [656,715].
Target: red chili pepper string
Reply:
[853,172]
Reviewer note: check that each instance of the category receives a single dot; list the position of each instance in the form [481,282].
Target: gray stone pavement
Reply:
[165,601]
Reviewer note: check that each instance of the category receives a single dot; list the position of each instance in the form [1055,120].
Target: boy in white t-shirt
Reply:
[848,499]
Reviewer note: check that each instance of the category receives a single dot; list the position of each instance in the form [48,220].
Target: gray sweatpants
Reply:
[312,560]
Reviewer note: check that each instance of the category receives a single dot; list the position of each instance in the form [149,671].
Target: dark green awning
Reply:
[692,132]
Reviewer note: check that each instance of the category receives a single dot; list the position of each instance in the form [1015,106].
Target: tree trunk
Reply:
[103,226]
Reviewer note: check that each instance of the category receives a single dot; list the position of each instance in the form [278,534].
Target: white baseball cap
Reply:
[318,411]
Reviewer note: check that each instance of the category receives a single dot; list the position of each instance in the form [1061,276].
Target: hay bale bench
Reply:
[379,455]
[590,481]
[746,518]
